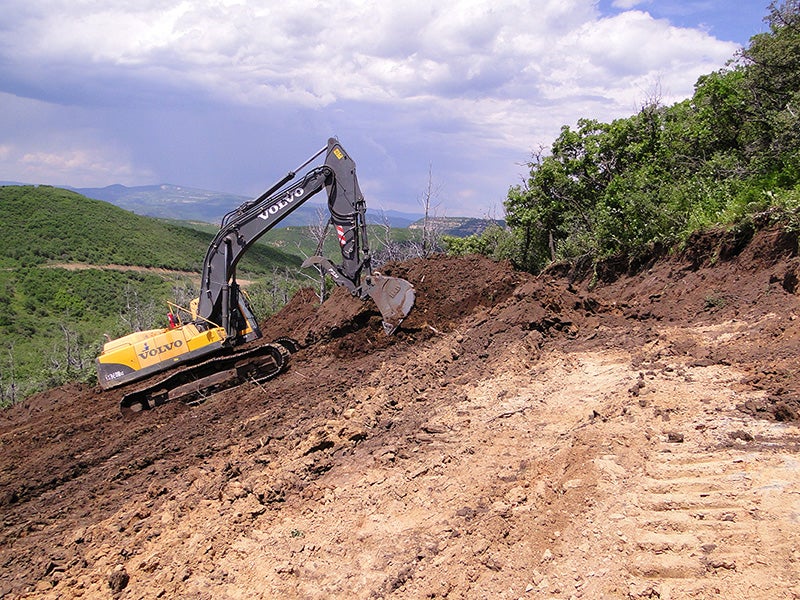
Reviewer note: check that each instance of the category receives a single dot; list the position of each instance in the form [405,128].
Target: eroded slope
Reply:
[520,437]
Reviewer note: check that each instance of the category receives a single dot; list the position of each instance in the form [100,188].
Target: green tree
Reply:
[772,78]
[625,187]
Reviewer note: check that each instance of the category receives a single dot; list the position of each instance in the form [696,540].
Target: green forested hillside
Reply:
[53,321]
[52,225]
[54,317]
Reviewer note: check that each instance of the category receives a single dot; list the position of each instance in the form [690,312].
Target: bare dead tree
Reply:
[138,314]
[282,286]
[68,358]
[318,231]
[431,226]
[8,380]
[183,292]
[390,249]
[267,296]
[429,242]
[72,354]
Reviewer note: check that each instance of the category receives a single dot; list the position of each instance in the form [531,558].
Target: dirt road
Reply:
[610,436]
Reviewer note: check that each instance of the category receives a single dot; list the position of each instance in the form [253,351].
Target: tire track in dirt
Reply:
[710,501]
[709,521]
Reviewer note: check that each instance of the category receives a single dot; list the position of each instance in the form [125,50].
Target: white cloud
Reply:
[372,51]
[616,58]
[452,76]
[75,165]
[628,4]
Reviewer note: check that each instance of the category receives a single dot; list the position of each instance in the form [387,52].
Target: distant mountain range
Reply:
[181,203]
[175,202]
[167,201]
[457,226]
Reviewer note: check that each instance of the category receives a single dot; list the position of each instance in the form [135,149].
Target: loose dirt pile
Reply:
[632,436]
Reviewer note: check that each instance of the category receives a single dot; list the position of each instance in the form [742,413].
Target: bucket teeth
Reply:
[393,296]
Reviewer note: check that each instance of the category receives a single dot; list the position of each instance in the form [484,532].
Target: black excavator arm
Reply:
[219,302]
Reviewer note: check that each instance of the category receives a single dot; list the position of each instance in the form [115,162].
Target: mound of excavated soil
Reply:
[614,436]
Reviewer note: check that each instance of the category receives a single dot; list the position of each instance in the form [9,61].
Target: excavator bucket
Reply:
[393,296]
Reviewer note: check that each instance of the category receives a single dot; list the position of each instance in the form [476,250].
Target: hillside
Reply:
[629,436]
[52,224]
[73,270]
[166,201]
[457,226]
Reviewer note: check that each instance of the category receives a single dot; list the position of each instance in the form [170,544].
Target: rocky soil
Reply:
[596,435]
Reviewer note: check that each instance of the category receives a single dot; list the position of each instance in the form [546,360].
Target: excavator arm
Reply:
[218,302]
[393,296]
[240,230]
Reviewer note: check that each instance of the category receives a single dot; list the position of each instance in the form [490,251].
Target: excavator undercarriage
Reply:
[194,383]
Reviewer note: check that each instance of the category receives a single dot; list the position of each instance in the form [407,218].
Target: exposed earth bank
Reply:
[603,436]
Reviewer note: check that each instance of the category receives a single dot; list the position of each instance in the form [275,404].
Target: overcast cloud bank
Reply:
[229,95]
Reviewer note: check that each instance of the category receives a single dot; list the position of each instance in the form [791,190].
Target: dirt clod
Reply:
[118,579]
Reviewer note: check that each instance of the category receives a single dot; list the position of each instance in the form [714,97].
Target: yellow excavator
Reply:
[193,357]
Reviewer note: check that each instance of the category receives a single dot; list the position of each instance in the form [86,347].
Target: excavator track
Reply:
[195,383]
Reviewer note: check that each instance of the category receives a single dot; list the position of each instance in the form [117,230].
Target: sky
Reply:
[448,98]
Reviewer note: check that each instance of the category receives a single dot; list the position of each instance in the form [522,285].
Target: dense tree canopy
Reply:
[729,152]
